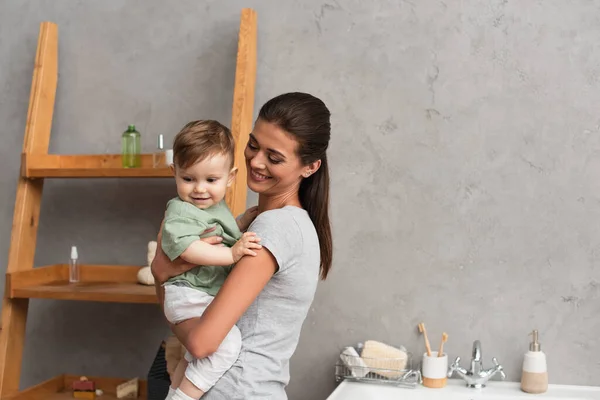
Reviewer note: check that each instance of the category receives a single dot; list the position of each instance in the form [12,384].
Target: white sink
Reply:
[456,390]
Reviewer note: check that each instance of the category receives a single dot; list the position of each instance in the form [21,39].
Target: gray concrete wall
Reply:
[464,159]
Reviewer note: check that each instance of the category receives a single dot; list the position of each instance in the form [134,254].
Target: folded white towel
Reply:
[355,364]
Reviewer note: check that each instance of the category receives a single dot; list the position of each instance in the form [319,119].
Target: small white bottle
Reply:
[158,157]
[535,370]
[74,266]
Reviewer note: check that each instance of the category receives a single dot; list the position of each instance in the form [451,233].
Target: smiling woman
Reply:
[267,296]
[270,157]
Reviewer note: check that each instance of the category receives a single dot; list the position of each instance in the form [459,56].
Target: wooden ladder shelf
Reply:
[103,283]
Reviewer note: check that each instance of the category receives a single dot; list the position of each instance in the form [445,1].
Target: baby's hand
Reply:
[245,245]
[247,217]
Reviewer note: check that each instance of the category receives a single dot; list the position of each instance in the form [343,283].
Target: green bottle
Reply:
[131,148]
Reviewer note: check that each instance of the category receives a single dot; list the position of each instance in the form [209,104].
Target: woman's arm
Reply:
[162,269]
[203,336]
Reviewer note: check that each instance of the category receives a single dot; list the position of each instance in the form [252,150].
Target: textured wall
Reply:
[464,158]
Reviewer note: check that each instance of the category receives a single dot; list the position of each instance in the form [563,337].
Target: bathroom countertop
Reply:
[457,390]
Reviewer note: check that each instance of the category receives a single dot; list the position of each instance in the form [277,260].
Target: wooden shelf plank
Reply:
[103,283]
[87,166]
[59,388]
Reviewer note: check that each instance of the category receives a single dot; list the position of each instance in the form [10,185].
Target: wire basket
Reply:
[388,371]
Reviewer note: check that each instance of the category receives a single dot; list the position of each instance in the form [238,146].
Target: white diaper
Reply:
[182,302]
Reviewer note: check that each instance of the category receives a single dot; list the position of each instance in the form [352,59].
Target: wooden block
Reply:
[84,385]
[84,395]
[128,390]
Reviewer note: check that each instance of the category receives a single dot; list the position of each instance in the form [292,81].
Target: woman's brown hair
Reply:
[307,119]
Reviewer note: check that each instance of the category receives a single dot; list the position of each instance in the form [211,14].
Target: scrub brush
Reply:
[424,332]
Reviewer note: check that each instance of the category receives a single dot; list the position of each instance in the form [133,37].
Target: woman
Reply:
[269,295]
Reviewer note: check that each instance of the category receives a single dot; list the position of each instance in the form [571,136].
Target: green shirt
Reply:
[184,223]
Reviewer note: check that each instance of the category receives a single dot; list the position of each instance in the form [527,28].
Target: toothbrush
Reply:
[424,332]
[444,340]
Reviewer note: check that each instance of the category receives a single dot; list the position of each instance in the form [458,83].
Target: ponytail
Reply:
[307,119]
[314,197]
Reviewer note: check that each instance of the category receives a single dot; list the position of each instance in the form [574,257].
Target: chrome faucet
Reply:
[477,377]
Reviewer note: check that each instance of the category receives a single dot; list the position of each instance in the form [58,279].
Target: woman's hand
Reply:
[246,218]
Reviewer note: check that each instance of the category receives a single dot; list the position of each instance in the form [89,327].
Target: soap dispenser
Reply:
[535,371]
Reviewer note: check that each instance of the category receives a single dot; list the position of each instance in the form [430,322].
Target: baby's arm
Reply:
[181,238]
[201,253]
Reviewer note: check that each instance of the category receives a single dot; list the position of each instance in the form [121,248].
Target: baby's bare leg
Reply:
[190,389]
[186,390]
[179,373]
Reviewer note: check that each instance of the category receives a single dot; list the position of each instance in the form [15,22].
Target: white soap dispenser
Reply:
[535,371]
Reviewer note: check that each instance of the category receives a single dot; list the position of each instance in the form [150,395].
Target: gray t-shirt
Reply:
[271,325]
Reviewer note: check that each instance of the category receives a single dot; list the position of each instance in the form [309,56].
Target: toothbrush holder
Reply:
[434,370]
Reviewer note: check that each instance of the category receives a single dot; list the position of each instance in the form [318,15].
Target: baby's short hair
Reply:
[200,139]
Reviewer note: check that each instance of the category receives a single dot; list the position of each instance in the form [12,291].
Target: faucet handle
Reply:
[476,355]
[453,367]
[499,368]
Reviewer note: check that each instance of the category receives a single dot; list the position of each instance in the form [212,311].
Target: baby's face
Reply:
[204,184]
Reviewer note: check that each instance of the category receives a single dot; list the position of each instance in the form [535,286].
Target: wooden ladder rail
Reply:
[243,106]
[27,205]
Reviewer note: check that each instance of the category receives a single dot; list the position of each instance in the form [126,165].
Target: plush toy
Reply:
[144,275]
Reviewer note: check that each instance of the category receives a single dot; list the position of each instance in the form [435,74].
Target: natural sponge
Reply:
[383,359]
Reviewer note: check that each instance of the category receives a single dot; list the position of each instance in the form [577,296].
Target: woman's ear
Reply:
[311,168]
[232,175]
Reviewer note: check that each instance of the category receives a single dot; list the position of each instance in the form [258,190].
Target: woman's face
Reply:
[273,166]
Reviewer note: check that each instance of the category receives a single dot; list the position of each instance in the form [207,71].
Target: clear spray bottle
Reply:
[74,266]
